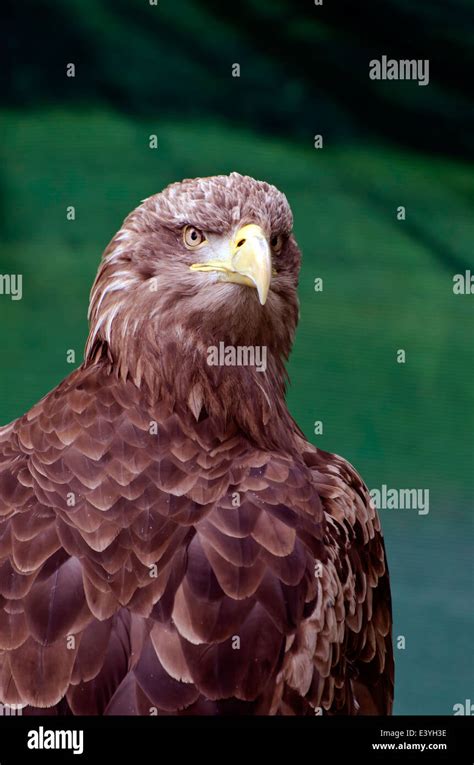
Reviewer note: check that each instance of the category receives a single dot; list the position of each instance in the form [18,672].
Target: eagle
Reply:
[170,542]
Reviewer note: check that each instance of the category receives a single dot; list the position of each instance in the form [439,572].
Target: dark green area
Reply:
[304,68]
[388,283]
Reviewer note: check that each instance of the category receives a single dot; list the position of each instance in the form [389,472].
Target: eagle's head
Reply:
[205,262]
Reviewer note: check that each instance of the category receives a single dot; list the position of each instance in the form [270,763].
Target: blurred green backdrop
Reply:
[166,69]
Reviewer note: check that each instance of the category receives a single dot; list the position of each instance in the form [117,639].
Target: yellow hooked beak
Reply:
[248,262]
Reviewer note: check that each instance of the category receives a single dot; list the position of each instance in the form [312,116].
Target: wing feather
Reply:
[165,568]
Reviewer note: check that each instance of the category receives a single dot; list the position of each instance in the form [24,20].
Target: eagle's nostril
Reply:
[239,244]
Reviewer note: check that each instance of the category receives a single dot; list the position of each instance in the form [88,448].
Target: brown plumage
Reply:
[169,541]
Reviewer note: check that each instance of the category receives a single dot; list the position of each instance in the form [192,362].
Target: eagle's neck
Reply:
[241,390]
[224,360]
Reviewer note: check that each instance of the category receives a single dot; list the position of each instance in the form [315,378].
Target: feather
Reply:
[169,541]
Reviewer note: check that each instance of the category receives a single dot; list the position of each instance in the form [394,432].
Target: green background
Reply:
[388,284]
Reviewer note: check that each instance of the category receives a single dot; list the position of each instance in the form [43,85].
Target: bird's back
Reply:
[150,566]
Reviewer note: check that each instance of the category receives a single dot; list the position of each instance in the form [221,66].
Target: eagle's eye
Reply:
[276,242]
[193,237]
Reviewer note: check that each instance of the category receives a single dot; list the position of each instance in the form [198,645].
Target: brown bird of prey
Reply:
[170,543]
